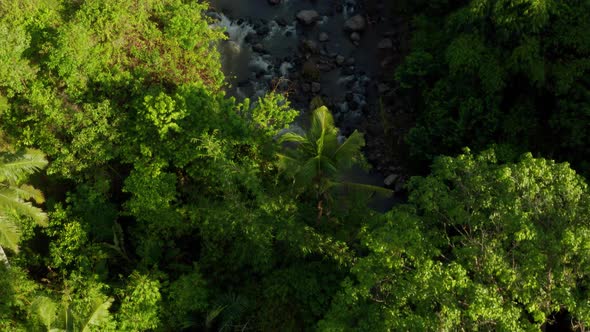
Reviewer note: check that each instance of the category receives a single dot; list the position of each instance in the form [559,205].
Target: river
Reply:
[321,54]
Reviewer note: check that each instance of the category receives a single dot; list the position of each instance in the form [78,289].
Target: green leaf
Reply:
[99,315]
[15,167]
[46,310]
[9,234]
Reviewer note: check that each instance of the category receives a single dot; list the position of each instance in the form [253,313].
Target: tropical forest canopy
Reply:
[136,195]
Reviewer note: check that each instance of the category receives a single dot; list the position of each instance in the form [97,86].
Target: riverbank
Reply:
[340,53]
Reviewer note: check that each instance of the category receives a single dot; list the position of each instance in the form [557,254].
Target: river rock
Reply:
[323,37]
[281,22]
[386,62]
[233,47]
[325,67]
[340,60]
[310,46]
[355,23]
[259,48]
[310,70]
[348,70]
[390,179]
[308,17]
[382,88]
[390,33]
[315,87]
[355,37]
[399,185]
[385,44]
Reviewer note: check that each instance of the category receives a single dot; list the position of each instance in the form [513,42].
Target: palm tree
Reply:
[47,312]
[320,158]
[14,196]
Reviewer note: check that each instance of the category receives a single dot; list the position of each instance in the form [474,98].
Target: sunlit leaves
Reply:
[480,246]
[140,305]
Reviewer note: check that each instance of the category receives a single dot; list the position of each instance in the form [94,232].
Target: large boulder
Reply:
[355,23]
[308,17]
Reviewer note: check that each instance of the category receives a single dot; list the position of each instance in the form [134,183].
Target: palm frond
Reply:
[287,163]
[346,154]
[28,192]
[9,201]
[45,309]
[361,187]
[308,171]
[322,124]
[327,167]
[99,315]
[211,316]
[15,167]
[319,157]
[9,234]
[292,138]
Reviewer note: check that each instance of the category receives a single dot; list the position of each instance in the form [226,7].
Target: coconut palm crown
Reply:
[320,158]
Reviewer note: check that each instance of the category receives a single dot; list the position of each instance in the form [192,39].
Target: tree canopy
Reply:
[513,73]
[167,205]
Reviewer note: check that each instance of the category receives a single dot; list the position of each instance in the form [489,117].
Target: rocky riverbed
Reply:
[340,53]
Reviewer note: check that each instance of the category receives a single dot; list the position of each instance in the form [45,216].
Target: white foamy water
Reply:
[285,68]
[236,32]
[260,62]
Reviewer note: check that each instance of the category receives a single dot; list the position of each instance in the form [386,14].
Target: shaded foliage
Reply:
[499,72]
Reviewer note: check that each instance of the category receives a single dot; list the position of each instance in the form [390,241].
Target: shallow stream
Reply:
[270,48]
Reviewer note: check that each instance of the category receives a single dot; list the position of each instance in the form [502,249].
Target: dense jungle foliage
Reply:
[136,196]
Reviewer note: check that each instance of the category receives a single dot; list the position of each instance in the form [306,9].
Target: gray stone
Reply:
[355,37]
[315,87]
[340,60]
[308,17]
[323,37]
[258,47]
[390,179]
[355,23]
[399,185]
[386,62]
[382,88]
[385,44]
[310,46]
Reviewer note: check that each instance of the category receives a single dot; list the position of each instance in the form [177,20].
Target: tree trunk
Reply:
[320,211]
[3,257]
